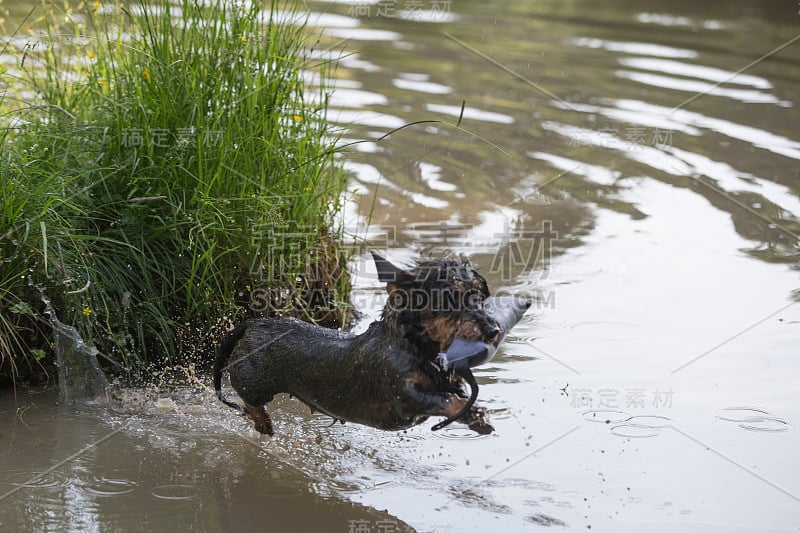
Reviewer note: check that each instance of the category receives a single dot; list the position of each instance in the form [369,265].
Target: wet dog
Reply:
[392,376]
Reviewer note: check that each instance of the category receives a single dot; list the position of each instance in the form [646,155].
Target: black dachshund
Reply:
[403,369]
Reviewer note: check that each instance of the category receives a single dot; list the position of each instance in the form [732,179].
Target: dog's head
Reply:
[433,302]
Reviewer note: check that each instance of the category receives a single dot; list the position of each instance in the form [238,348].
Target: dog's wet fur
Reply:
[385,377]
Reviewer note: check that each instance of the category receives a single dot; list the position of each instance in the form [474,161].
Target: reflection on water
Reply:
[631,168]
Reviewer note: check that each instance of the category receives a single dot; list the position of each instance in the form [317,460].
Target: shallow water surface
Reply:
[155,465]
[611,163]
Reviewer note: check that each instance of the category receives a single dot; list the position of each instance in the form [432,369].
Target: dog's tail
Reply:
[226,346]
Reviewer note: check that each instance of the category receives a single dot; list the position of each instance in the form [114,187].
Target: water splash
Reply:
[79,374]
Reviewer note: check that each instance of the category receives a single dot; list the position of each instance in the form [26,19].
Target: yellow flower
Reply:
[146,74]
[297,118]
[87,311]
[90,55]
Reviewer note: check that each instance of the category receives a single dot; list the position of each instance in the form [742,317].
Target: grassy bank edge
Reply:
[173,173]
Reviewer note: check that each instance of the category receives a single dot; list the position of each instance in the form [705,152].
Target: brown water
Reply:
[611,166]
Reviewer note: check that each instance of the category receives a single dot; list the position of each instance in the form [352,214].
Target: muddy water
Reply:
[610,165]
[155,465]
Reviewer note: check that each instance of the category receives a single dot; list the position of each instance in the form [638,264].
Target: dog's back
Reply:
[346,376]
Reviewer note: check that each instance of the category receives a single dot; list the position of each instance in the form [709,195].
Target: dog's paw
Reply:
[478,421]
[265,428]
[482,427]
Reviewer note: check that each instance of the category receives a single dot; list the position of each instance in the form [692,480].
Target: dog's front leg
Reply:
[447,405]
[476,417]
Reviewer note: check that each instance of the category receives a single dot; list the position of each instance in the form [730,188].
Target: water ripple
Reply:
[647,49]
[457,433]
[703,72]
[753,419]
[102,486]
[421,86]
[606,416]
[175,492]
[35,480]
[470,113]
[628,426]
[696,86]
[635,431]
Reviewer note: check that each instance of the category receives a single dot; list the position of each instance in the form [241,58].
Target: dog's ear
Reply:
[390,274]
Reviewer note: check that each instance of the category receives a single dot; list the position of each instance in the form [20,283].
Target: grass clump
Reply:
[171,169]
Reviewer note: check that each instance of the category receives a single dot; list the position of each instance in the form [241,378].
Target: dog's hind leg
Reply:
[261,418]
